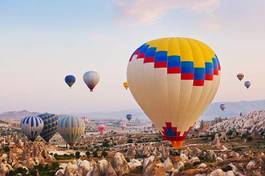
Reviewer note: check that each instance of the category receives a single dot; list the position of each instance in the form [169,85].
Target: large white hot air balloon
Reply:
[91,79]
[31,126]
[173,80]
[71,128]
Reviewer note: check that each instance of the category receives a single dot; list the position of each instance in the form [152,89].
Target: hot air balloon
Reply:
[247,84]
[129,117]
[91,78]
[71,128]
[125,85]
[31,126]
[222,107]
[70,80]
[101,129]
[240,76]
[173,80]
[50,125]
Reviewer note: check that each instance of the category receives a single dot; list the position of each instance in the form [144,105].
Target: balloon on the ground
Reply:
[31,126]
[101,129]
[129,117]
[174,80]
[70,80]
[247,84]
[50,125]
[71,128]
[240,76]
[91,79]
[125,85]
[222,107]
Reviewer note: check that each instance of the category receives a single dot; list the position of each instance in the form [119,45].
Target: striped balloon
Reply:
[174,80]
[71,128]
[32,126]
[50,125]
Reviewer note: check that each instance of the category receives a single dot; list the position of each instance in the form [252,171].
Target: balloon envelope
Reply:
[247,84]
[31,126]
[173,80]
[101,128]
[222,107]
[91,79]
[129,117]
[50,125]
[71,128]
[125,85]
[240,76]
[70,80]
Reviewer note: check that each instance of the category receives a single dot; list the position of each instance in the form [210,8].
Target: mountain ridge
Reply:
[213,111]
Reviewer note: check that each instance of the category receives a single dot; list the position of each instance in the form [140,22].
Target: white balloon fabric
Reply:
[31,126]
[71,128]
[173,80]
[91,79]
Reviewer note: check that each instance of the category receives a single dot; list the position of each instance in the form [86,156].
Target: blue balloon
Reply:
[50,125]
[70,80]
[129,117]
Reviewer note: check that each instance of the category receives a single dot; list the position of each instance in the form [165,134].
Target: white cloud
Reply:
[148,11]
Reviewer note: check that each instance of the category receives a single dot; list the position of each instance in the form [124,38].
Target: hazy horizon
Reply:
[42,41]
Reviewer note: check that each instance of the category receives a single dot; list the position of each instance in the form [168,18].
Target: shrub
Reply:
[77,155]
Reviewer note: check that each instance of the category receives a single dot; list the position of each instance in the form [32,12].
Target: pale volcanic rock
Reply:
[217,172]
[5,168]
[84,167]
[253,123]
[155,169]
[59,172]
[168,165]
[202,166]
[134,163]
[219,160]
[105,168]
[180,165]
[195,159]
[251,165]
[229,173]
[120,164]
[183,157]
[71,169]
[147,161]
[95,169]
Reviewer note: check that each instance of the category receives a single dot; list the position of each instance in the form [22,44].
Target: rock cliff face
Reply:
[252,123]
[120,164]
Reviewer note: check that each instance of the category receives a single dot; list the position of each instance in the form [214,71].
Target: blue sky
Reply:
[42,41]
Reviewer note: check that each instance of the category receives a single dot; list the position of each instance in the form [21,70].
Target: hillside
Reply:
[232,109]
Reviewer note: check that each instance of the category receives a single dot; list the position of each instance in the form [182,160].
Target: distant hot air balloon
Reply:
[70,80]
[101,129]
[174,80]
[71,128]
[50,125]
[31,126]
[240,76]
[129,117]
[125,85]
[91,78]
[247,84]
[222,107]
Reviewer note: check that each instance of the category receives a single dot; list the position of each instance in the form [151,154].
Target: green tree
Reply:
[77,155]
